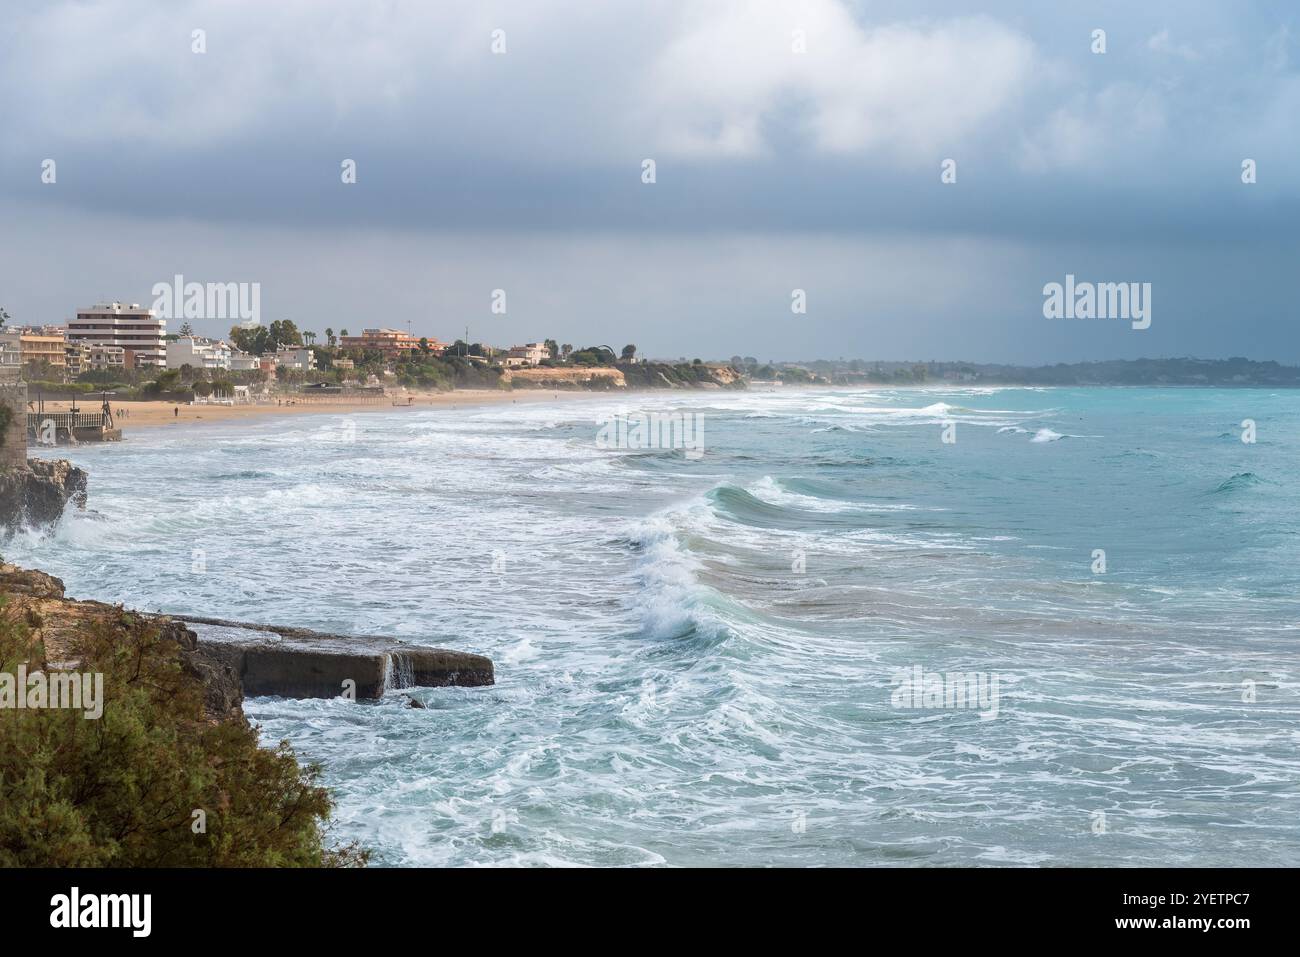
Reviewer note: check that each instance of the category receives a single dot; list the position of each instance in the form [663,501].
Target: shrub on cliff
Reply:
[122,790]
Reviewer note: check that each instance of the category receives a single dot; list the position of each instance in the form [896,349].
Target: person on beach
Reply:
[176,412]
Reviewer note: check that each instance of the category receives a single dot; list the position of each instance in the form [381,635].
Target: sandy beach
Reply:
[138,415]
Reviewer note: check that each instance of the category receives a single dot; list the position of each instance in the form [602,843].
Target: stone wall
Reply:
[13,441]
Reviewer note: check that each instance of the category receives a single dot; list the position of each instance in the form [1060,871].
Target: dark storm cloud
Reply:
[1128,160]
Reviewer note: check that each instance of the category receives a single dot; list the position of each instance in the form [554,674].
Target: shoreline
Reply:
[157,414]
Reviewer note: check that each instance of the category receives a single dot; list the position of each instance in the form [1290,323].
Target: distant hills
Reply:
[1236,372]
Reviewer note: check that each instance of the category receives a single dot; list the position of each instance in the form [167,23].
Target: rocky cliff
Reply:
[35,494]
[55,621]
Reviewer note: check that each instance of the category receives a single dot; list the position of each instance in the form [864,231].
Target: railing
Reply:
[65,421]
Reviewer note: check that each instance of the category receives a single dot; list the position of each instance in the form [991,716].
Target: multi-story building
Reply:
[45,344]
[11,355]
[112,358]
[244,362]
[393,343]
[199,353]
[295,357]
[530,354]
[131,328]
[76,359]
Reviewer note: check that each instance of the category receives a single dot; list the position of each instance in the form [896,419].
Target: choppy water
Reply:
[696,659]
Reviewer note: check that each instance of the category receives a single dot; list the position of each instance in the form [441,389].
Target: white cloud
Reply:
[1161,43]
[730,81]
[716,79]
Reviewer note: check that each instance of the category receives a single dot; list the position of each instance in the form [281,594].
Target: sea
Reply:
[948,626]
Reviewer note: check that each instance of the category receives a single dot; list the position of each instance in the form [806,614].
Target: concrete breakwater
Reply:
[300,663]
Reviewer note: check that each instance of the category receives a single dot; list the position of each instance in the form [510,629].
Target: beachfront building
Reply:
[198,353]
[392,343]
[243,361]
[107,358]
[530,354]
[11,355]
[131,328]
[76,359]
[344,364]
[299,358]
[45,344]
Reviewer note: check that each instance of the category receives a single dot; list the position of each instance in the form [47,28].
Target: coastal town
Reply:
[127,350]
[130,343]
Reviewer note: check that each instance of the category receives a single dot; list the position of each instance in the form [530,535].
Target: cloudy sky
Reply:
[775,169]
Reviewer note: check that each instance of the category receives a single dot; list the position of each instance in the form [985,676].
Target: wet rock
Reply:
[34,495]
[300,663]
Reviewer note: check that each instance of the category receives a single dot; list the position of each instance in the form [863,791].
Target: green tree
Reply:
[168,380]
[121,790]
[629,353]
[284,333]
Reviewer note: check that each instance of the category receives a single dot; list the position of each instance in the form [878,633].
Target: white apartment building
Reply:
[198,353]
[243,361]
[131,328]
[530,354]
[295,357]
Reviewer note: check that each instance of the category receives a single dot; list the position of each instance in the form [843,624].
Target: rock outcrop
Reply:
[34,495]
[56,621]
[234,659]
[580,377]
[299,663]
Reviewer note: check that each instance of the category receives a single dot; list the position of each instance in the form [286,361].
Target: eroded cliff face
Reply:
[34,495]
[582,377]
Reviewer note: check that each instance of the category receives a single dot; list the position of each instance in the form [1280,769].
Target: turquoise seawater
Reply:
[697,658]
